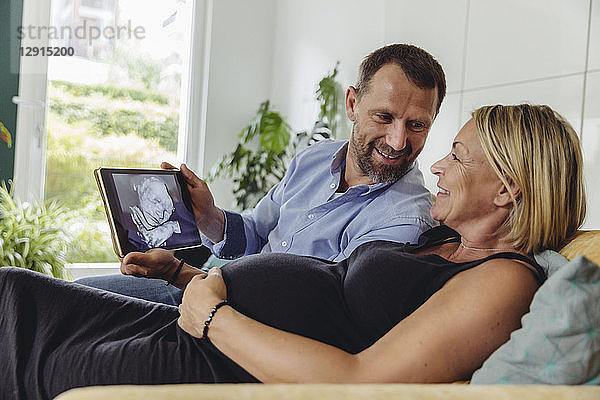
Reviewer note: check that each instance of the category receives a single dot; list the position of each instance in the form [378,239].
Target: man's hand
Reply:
[200,296]
[155,263]
[209,218]
[159,264]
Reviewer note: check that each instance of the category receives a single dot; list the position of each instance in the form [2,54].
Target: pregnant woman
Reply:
[431,312]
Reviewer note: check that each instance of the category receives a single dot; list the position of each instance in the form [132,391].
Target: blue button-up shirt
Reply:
[303,215]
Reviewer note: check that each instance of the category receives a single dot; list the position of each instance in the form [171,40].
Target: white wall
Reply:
[241,62]
[591,120]
[540,51]
[310,36]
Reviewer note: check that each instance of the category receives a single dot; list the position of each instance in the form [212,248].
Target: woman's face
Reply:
[467,184]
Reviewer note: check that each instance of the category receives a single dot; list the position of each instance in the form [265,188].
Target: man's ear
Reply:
[503,197]
[351,99]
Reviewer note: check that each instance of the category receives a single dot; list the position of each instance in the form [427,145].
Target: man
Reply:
[335,195]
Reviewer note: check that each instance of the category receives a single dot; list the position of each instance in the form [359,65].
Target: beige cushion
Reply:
[330,392]
[586,243]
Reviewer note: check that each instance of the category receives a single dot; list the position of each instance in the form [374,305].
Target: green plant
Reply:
[90,242]
[29,236]
[120,122]
[259,159]
[81,90]
[330,95]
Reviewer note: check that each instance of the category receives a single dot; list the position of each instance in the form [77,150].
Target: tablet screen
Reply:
[148,209]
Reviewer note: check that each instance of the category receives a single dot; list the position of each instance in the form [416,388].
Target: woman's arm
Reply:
[445,340]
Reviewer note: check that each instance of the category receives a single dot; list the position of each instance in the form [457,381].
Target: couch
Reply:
[585,243]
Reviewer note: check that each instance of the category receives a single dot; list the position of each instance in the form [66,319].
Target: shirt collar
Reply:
[339,161]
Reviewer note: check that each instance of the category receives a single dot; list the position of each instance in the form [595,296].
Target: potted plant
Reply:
[266,144]
[255,171]
[330,96]
[29,237]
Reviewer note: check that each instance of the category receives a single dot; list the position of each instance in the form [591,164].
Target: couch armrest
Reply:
[331,392]
[586,243]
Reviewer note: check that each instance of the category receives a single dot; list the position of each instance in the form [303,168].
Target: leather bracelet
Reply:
[211,314]
[177,271]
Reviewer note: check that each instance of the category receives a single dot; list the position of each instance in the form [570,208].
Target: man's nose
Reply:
[396,137]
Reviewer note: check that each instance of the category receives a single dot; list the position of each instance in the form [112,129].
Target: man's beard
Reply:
[379,172]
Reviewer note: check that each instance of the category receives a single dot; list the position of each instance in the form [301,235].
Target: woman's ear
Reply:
[503,197]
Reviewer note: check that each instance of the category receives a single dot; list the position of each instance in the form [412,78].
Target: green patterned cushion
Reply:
[559,342]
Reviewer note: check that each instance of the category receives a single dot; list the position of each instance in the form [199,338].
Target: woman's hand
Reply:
[200,296]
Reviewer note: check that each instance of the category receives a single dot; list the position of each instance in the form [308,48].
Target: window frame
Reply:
[30,137]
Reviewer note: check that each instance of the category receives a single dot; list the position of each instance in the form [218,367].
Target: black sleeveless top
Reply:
[352,303]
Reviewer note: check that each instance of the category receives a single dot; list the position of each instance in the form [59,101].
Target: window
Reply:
[122,99]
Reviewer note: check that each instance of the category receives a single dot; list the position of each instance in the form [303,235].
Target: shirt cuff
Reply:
[233,244]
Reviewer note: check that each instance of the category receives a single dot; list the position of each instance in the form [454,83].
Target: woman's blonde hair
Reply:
[537,149]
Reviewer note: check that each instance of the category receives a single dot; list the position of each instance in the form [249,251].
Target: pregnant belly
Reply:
[301,295]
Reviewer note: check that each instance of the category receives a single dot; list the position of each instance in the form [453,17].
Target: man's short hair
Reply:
[419,66]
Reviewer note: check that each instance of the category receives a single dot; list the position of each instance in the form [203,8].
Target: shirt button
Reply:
[332,186]
[284,243]
[311,216]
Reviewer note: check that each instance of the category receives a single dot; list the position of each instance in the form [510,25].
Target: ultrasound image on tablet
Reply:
[148,209]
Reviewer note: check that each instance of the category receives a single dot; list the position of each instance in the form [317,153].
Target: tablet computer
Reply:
[147,208]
